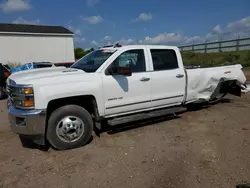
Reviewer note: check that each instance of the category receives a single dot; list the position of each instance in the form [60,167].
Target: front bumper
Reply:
[27,122]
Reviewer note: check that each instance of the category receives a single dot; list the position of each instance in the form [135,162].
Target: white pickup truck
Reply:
[115,84]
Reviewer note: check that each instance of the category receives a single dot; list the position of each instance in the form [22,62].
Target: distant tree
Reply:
[91,49]
[79,52]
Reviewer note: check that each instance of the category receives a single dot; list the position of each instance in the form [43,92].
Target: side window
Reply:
[164,59]
[132,58]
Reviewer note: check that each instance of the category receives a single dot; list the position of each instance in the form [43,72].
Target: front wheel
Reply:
[69,127]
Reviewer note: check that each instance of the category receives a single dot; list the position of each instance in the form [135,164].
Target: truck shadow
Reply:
[198,107]
[147,122]
[45,148]
[27,143]
[135,125]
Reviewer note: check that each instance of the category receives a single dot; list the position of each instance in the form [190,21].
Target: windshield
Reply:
[92,61]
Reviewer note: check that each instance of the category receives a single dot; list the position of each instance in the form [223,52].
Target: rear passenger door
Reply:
[168,77]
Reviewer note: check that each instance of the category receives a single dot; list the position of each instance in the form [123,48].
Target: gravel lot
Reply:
[207,148]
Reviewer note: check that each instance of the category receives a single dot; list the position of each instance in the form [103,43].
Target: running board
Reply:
[145,115]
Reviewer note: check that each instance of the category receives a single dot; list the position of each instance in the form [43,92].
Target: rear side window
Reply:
[164,59]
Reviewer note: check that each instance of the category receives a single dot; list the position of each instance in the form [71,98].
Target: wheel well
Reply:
[232,86]
[227,86]
[87,101]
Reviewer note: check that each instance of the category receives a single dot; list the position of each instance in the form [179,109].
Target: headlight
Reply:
[22,96]
[27,90]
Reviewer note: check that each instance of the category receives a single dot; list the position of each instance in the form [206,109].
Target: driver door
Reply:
[127,94]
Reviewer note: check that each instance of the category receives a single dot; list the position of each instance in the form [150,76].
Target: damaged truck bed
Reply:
[212,83]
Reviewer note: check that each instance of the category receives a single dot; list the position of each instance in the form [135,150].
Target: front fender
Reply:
[46,93]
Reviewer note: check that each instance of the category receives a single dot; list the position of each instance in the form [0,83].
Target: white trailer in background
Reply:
[21,44]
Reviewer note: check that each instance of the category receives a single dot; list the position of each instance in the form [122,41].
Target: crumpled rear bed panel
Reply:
[202,82]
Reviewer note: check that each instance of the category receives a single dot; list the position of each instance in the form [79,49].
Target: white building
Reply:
[35,43]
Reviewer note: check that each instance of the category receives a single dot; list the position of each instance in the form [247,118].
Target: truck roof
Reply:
[138,46]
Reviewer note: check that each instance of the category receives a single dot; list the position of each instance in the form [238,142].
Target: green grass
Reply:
[217,59]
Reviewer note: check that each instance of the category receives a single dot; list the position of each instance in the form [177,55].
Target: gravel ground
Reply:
[207,148]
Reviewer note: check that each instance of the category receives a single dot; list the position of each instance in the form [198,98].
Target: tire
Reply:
[64,129]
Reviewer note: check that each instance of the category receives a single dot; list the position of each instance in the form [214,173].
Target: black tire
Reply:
[58,115]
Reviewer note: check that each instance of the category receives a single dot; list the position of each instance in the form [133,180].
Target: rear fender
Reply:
[233,88]
[229,86]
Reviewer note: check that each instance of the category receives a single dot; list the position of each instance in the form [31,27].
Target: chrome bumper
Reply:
[27,122]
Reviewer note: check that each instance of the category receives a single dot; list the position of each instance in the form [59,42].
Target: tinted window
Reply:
[132,58]
[164,59]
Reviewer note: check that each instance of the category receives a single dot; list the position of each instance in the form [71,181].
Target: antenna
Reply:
[117,45]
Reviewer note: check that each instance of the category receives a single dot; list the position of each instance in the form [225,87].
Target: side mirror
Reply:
[125,71]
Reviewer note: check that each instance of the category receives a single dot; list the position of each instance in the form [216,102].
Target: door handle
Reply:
[179,75]
[144,79]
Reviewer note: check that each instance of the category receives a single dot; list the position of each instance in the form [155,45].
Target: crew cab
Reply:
[112,84]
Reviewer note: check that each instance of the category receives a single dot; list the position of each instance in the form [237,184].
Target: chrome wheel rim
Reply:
[70,129]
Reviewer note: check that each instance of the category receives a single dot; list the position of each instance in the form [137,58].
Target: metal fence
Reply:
[219,46]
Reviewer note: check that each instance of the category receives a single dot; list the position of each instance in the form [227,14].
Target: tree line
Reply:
[79,52]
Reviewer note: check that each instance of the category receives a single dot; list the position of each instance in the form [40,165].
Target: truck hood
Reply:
[30,76]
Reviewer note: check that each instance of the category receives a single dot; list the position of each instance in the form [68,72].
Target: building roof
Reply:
[33,29]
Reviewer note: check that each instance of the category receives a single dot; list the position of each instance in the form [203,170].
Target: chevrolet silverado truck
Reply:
[115,84]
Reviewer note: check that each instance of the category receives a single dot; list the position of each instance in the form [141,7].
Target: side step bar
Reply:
[145,115]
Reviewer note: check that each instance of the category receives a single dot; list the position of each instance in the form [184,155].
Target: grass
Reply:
[217,59]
